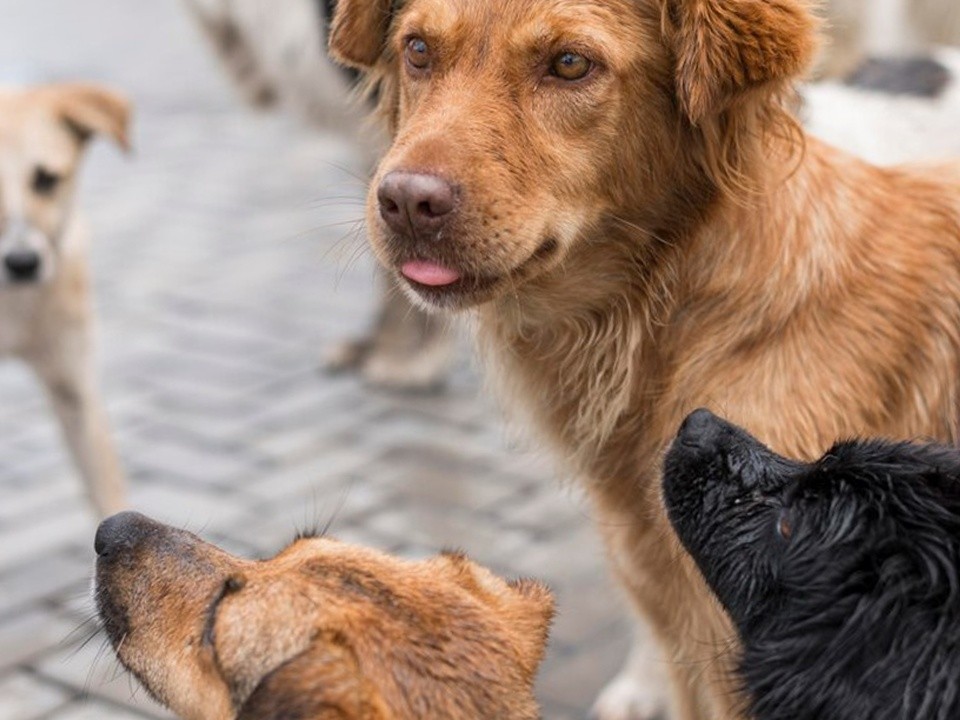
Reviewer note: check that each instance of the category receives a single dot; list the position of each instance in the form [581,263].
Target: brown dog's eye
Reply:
[418,53]
[785,524]
[45,182]
[570,66]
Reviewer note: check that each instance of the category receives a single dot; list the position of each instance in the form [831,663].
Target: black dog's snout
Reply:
[701,429]
[22,264]
[121,532]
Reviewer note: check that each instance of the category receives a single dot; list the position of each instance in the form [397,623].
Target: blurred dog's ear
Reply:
[725,48]
[358,31]
[93,110]
[322,683]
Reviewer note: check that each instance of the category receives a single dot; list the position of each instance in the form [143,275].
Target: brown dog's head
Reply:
[43,132]
[323,630]
[523,126]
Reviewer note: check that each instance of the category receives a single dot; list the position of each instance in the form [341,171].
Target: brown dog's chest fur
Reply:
[828,307]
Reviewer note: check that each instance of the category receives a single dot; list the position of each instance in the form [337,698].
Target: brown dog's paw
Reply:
[424,370]
[347,355]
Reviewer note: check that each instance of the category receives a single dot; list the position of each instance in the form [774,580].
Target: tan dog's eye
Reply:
[45,182]
[418,53]
[570,66]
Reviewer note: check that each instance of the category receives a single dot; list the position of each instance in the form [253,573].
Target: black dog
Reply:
[842,576]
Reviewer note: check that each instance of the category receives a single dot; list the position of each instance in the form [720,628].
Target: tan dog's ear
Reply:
[527,606]
[322,683]
[533,617]
[359,31]
[92,110]
[725,48]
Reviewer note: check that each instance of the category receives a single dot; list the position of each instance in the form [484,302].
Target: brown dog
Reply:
[46,314]
[322,631]
[621,190]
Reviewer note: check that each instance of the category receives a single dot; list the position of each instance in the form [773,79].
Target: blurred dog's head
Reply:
[842,576]
[524,127]
[322,630]
[43,132]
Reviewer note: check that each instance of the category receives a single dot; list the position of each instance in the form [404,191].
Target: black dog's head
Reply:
[842,576]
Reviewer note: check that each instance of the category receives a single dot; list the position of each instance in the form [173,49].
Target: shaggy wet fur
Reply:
[656,236]
[840,575]
[323,631]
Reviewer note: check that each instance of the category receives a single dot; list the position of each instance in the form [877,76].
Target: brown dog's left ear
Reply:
[358,31]
[93,110]
[727,47]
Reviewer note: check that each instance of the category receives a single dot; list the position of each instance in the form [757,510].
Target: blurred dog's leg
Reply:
[234,51]
[275,54]
[407,349]
[640,691]
[68,375]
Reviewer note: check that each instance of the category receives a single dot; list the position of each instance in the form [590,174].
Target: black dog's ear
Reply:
[359,30]
[321,683]
[725,48]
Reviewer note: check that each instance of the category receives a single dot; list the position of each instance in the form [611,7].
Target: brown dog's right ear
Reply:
[724,48]
[358,31]
[321,683]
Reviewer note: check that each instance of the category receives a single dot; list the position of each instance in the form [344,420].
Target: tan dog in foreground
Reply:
[46,315]
[323,631]
[621,190]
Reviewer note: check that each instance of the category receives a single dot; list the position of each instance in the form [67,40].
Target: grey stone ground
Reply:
[221,271]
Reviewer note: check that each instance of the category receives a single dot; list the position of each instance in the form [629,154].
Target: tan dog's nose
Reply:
[22,265]
[416,204]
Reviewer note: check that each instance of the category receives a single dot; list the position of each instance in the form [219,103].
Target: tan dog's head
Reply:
[523,126]
[324,630]
[43,132]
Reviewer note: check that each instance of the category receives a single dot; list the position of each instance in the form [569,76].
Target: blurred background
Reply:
[227,255]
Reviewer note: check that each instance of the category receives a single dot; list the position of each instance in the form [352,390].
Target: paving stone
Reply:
[86,710]
[93,671]
[27,635]
[24,697]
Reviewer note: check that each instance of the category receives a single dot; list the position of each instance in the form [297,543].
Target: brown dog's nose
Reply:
[121,532]
[416,203]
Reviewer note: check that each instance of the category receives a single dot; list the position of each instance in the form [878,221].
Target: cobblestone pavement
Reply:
[224,260]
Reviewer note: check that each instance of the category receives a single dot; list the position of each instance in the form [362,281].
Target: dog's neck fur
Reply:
[600,339]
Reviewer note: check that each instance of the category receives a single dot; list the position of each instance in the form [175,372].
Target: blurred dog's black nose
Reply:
[22,264]
[416,203]
[700,429]
[121,532]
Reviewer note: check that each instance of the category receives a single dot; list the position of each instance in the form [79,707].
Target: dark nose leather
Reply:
[121,531]
[416,203]
[22,264]
[700,429]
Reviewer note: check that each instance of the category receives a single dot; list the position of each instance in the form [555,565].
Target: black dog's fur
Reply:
[841,576]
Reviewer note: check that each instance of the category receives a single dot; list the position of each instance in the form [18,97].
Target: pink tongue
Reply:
[429,273]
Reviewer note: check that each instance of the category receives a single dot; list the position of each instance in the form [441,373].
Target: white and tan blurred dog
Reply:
[857,29]
[274,51]
[45,305]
